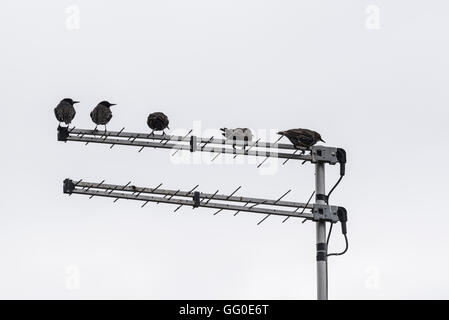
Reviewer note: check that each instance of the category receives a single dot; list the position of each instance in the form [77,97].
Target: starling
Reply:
[302,138]
[158,121]
[238,134]
[101,115]
[65,111]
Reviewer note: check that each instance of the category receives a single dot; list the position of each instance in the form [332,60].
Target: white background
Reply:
[382,94]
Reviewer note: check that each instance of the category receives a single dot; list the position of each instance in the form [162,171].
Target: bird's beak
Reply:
[113,104]
[75,102]
[223,129]
[281,133]
[322,140]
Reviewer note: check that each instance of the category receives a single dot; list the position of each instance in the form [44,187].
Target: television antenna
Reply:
[319,212]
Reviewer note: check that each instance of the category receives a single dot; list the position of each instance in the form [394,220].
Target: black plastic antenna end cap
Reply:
[63,133]
[68,187]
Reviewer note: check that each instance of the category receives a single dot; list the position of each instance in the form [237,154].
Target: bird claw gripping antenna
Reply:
[319,212]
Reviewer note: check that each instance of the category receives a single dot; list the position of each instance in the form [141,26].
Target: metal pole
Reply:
[321,245]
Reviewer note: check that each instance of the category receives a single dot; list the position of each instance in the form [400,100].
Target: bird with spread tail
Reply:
[102,114]
[158,121]
[302,138]
[65,111]
[238,134]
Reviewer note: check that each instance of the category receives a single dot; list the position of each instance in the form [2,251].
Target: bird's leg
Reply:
[105,128]
[96,128]
[152,133]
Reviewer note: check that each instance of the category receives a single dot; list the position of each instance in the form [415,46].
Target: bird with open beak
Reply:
[102,114]
[65,111]
[302,138]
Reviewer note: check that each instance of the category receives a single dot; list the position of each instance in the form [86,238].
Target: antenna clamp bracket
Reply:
[322,154]
[322,212]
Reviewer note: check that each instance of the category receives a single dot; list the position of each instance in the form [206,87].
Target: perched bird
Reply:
[65,111]
[238,134]
[102,114]
[158,121]
[302,138]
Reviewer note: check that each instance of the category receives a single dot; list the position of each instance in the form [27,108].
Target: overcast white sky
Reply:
[378,90]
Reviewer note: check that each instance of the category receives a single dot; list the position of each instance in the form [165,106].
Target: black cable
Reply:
[333,188]
[332,224]
[343,252]
[330,232]
[327,242]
